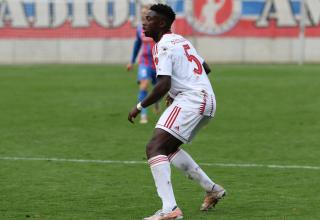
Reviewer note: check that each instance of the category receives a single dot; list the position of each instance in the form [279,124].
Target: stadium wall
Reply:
[103,31]
[226,50]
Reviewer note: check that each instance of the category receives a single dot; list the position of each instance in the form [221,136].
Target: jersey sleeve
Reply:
[164,60]
[136,46]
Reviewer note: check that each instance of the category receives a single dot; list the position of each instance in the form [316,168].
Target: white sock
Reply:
[183,161]
[161,171]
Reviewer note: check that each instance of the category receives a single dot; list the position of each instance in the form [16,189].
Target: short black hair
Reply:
[166,11]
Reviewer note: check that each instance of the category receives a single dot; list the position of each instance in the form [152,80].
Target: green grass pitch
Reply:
[266,115]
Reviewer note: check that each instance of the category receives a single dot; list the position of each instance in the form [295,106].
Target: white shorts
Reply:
[187,114]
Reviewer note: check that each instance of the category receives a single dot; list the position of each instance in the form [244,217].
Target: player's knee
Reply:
[144,84]
[151,150]
[154,149]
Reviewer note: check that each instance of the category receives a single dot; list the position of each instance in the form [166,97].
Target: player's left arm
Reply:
[159,90]
[206,67]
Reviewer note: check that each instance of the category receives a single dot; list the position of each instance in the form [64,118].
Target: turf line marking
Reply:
[272,166]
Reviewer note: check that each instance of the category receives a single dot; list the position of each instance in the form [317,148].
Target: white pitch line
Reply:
[273,166]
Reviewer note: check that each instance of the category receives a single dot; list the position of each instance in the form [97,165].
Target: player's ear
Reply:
[162,24]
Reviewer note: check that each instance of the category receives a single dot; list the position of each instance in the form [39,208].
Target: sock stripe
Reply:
[158,163]
[157,157]
[157,160]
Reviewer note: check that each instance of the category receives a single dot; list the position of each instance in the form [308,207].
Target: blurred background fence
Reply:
[102,31]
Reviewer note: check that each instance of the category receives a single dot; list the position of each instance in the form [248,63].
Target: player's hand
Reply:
[133,114]
[129,67]
[169,100]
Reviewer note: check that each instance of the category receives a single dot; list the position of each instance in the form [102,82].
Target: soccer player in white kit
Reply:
[181,73]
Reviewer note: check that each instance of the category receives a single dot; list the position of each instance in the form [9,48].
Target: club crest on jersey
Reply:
[213,16]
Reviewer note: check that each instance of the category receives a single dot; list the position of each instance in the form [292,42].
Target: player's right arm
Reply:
[159,90]
[136,48]
[163,85]
[163,55]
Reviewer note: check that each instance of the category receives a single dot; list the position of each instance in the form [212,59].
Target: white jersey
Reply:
[176,57]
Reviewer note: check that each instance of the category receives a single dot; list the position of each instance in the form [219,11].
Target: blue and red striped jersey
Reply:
[146,44]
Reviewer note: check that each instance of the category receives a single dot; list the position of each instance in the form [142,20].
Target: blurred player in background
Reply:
[146,69]
[182,73]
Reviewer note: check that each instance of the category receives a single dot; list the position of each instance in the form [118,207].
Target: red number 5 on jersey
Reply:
[191,58]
